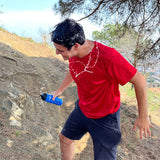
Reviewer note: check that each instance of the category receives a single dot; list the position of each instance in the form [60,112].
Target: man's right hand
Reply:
[55,94]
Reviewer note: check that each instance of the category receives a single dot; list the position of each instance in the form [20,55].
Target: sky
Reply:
[32,18]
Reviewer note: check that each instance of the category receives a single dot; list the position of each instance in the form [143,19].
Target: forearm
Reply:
[140,86]
[142,121]
[141,95]
[67,80]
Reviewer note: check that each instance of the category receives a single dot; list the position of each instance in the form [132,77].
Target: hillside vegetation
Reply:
[29,127]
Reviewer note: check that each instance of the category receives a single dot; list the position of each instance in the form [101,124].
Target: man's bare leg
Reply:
[67,147]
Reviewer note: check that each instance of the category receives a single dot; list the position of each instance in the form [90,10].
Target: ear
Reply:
[76,46]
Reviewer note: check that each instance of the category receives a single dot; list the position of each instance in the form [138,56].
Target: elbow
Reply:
[138,79]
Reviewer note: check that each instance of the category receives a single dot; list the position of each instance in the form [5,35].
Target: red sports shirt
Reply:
[98,76]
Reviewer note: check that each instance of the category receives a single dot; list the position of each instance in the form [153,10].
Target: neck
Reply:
[86,48]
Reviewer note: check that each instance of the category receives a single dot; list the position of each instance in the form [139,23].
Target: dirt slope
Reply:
[29,128]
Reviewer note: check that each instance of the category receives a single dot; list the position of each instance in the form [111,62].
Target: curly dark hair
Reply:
[67,33]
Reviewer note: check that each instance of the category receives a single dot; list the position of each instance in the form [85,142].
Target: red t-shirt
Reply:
[98,76]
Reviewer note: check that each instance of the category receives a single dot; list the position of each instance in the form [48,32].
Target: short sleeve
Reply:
[120,70]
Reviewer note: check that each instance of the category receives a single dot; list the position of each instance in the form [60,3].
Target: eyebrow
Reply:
[60,50]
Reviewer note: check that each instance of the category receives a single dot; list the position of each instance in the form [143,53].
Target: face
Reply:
[64,52]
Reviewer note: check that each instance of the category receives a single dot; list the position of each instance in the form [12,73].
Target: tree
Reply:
[110,34]
[142,15]
[131,44]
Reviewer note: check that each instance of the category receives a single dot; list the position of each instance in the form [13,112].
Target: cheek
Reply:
[57,52]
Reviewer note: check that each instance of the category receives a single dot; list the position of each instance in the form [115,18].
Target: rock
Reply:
[16,111]
[9,143]
[44,139]
[6,106]
[14,122]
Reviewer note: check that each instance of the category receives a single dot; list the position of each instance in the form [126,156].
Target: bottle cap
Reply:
[43,96]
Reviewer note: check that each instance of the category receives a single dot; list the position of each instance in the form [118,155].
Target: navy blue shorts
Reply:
[105,132]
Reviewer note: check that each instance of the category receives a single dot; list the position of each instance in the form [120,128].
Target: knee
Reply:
[64,140]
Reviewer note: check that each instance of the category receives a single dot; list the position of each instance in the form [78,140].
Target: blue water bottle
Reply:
[48,98]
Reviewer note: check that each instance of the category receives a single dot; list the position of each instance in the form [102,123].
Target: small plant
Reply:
[17,133]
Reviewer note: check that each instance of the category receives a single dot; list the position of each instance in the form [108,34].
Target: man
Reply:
[97,70]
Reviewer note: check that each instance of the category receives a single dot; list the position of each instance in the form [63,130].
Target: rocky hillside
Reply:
[29,127]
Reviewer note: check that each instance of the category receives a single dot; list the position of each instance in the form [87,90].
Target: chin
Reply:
[65,58]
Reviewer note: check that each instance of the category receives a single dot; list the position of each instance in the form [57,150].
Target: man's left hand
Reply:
[144,127]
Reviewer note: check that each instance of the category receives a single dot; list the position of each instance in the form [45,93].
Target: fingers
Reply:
[141,134]
[135,126]
[144,129]
[146,132]
[151,126]
[149,132]
[54,95]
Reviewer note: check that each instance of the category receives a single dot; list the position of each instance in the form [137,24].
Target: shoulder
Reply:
[105,52]
[103,47]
